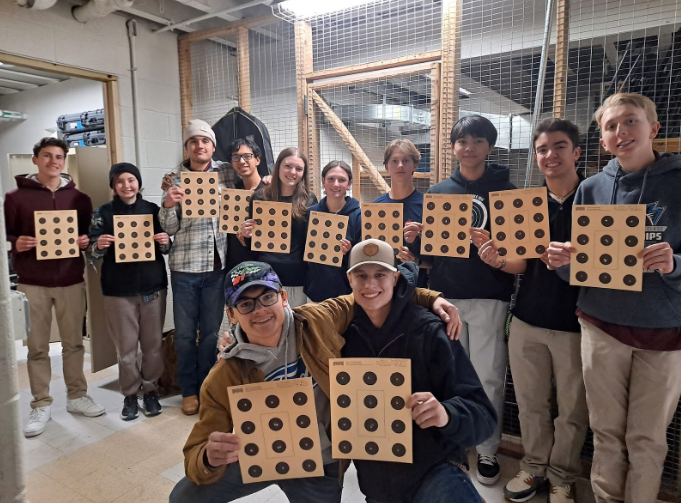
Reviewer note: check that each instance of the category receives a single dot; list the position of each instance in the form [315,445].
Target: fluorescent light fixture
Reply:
[310,8]
[465,91]
[1,63]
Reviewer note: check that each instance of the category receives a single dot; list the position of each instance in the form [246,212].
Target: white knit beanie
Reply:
[197,127]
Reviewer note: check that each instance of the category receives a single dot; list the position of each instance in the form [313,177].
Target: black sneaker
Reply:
[488,470]
[130,408]
[151,405]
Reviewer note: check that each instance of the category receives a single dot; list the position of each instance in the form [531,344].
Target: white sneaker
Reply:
[37,421]
[86,406]
[561,494]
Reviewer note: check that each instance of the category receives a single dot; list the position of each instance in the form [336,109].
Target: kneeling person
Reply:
[271,342]
[449,406]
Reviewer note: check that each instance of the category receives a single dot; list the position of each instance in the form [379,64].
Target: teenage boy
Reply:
[401,160]
[55,283]
[481,293]
[269,340]
[197,265]
[631,341]
[245,157]
[544,338]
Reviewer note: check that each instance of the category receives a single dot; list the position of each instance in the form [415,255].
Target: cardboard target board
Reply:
[134,238]
[446,222]
[325,230]
[383,221]
[608,239]
[272,230]
[57,234]
[276,423]
[234,209]
[201,194]
[369,417]
[520,222]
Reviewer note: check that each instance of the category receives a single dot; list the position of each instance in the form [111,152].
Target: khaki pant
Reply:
[552,448]
[69,307]
[632,395]
[135,324]
[483,338]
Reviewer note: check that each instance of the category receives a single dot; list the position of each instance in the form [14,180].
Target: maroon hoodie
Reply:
[20,204]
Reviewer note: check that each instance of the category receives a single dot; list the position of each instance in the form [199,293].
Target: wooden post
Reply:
[313,148]
[112,118]
[242,50]
[434,123]
[351,143]
[356,179]
[185,64]
[450,76]
[303,32]
[561,58]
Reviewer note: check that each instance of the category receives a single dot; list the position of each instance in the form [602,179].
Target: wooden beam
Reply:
[356,179]
[450,77]
[561,58]
[112,120]
[435,123]
[314,147]
[186,98]
[243,58]
[228,28]
[71,71]
[351,143]
[667,144]
[303,46]
[424,57]
[390,72]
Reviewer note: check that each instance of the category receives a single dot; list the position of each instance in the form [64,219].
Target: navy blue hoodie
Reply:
[471,278]
[324,281]
[439,366]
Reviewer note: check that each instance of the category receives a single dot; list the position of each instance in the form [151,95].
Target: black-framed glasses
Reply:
[245,157]
[267,299]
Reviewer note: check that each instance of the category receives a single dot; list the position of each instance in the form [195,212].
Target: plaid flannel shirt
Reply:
[193,247]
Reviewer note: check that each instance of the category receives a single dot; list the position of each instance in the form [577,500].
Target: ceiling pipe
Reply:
[95,9]
[214,14]
[36,4]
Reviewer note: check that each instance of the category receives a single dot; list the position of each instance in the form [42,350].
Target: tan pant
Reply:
[552,448]
[135,324]
[632,395]
[69,307]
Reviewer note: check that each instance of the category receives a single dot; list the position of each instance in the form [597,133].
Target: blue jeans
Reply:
[198,301]
[445,483]
[230,487]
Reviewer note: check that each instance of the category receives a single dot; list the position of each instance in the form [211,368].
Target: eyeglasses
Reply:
[267,299]
[245,157]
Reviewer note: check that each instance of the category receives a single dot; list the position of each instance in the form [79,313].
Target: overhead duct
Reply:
[384,115]
[95,9]
[36,4]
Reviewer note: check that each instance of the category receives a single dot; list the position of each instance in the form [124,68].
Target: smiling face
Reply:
[556,156]
[372,286]
[471,152]
[336,183]
[200,149]
[264,324]
[291,172]
[245,168]
[627,133]
[50,161]
[126,187]
[401,166]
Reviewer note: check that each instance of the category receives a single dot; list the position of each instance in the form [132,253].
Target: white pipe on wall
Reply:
[132,36]
[94,9]
[12,478]
[36,4]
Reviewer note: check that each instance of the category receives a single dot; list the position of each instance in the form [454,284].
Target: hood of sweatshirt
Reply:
[351,205]
[495,177]
[31,182]
[625,182]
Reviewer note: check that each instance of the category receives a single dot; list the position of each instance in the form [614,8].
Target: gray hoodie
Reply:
[284,362]
[659,188]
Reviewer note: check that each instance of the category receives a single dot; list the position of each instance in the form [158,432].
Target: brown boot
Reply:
[190,405]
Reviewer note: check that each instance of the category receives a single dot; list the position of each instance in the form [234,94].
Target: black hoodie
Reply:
[439,366]
[471,278]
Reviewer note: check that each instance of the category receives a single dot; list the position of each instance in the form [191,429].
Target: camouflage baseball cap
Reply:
[246,275]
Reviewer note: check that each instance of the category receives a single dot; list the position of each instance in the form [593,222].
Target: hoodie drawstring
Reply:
[613,196]
[643,186]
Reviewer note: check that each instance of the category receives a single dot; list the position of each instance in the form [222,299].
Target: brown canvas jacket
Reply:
[318,335]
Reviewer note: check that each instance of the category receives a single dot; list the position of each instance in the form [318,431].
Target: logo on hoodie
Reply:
[653,231]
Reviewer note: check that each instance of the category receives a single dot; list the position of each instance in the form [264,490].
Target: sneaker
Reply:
[37,421]
[561,494]
[130,408]
[86,406]
[488,470]
[524,486]
[151,405]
